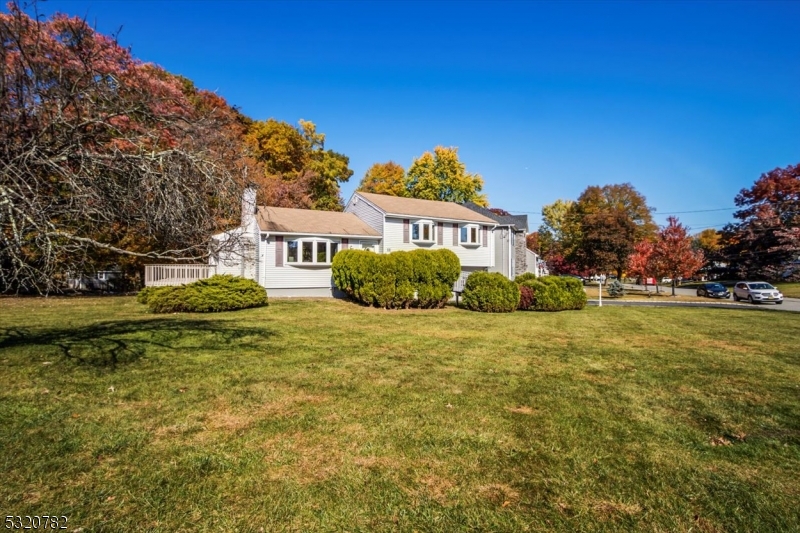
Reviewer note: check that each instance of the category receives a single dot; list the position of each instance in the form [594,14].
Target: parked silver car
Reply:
[756,292]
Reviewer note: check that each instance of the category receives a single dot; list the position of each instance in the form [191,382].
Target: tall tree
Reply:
[673,252]
[559,231]
[385,178]
[610,220]
[641,262]
[103,154]
[709,241]
[532,242]
[442,176]
[607,239]
[623,198]
[766,237]
[297,156]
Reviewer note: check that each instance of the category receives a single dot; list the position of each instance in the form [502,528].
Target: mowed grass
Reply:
[313,415]
[789,290]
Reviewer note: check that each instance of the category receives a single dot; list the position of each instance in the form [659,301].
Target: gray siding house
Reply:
[289,251]
[510,250]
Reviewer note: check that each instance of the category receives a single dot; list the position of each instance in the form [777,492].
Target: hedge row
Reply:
[217,293]
[553,293]
[420,278]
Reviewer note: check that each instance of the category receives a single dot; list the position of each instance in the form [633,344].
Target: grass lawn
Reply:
[789,290]
[313,415]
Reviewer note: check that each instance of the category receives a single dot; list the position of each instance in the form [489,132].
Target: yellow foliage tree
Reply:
[385,178]
[442,176]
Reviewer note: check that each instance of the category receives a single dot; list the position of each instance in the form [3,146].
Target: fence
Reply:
[164,275]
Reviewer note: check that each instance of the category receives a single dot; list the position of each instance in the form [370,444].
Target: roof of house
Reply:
[415,207]
[306,221]
[518,221]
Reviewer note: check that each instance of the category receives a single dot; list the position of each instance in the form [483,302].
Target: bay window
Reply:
[470,235]
[311,251]
[422,231]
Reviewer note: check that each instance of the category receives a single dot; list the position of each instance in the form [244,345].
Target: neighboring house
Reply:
[102,280]
[510,257]
[536,265]
[411,223]
[289,251]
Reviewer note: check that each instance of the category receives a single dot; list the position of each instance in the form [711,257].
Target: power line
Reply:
[514,212]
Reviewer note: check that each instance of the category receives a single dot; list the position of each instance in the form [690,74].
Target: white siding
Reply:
[503,252]
[300,277]
[361,208]
[290,276]
[470,256]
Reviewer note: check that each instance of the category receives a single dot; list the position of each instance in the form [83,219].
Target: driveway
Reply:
[789,304]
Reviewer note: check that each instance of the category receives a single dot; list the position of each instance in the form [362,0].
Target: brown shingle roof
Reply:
[395,205]
[306,221]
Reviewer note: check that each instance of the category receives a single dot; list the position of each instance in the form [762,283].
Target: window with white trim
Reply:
[423,231]
[310,251]
[470,235]
[369,246]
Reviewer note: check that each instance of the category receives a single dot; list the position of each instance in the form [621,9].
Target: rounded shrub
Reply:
[490,293]
[615,289]
[554,293]
[217,293]
[420,278]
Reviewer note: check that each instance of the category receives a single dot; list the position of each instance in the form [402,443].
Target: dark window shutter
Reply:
[405,229]
[455,234]
[345,243]
[440,233]
[485,236]
[279,250]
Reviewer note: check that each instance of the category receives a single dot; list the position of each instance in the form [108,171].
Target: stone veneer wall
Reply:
[520,257]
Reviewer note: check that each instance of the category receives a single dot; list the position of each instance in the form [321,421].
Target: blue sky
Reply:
[690,102]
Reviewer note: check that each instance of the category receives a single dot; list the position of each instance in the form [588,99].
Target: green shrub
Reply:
[615,289]
[144,294]
[490,293]
[217,293]
[554,293]
[420,278]
[527,276]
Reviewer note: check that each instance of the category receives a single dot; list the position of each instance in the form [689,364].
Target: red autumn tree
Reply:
[673,254]
[641,263]
[766,240]
[103,156]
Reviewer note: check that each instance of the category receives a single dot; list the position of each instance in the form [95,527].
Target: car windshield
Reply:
[715,287]
[760,286]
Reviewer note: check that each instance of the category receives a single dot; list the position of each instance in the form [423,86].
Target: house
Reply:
[412,223]
[289,251]
[510,247]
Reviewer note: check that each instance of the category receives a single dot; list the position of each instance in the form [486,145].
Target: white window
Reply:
[470,235]
[311,251]
[422,231]
[369,246]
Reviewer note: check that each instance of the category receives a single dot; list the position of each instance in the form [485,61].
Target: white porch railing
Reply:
[164,275]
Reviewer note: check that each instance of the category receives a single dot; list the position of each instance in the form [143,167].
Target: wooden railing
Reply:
[163,275]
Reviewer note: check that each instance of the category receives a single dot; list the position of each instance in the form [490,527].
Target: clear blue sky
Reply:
[690,102]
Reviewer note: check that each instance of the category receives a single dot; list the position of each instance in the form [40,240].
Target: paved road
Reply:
[789,304]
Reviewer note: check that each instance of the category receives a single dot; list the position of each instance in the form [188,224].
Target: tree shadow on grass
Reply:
[107,344]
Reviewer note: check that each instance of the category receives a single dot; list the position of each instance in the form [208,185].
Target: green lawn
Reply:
[789,290]
[326,416]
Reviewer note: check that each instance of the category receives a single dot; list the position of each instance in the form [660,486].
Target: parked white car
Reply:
[756,292]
